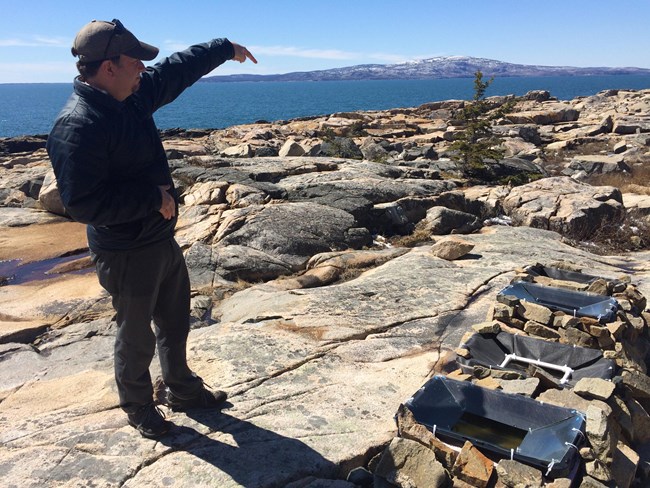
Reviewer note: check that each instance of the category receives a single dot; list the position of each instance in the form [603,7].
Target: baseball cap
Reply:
[99,40]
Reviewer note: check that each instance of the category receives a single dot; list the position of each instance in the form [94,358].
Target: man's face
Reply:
[127,76]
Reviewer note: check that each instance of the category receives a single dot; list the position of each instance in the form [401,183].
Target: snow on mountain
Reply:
[431,68]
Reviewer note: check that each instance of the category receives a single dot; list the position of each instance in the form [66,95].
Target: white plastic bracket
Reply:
[564,369]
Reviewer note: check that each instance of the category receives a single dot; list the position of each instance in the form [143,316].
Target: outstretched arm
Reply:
[166,80]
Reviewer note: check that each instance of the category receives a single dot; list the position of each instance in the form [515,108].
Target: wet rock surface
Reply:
[304,312]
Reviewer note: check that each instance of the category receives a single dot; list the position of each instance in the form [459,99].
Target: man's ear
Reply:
[108,68]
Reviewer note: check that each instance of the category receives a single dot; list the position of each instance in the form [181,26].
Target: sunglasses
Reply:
[117,31]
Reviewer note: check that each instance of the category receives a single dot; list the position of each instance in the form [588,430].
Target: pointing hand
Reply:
[241,53]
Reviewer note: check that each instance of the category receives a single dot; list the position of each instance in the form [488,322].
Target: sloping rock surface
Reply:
[302,310]
[314,375]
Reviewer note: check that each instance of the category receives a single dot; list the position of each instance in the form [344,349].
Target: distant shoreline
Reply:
[30,108]
[280,78]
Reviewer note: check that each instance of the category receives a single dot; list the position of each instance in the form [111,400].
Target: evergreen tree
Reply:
[478,143]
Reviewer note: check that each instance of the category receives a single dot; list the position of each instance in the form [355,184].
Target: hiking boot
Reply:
[149,421]
[203,399]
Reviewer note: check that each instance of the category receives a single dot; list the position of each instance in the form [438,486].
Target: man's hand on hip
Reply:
[168,206]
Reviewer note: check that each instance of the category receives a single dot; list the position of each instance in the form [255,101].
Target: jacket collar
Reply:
[96,96]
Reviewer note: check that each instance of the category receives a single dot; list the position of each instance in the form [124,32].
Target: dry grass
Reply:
[626,182]
[560,157]
[631,235]
[421,235]
[241,285]
[638,189]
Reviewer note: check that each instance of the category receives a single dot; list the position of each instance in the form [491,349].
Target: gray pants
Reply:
[145,284]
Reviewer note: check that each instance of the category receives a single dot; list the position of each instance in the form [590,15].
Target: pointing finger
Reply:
[250,56]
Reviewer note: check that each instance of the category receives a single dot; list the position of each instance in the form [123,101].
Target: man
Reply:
[113,175]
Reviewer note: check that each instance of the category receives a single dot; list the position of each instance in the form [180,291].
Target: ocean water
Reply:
[27,109]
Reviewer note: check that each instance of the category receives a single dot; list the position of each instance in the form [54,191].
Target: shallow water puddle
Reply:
[12,272]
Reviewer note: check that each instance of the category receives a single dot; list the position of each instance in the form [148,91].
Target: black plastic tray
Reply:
[509,426]
[490,350]
[566,275]
[577,303]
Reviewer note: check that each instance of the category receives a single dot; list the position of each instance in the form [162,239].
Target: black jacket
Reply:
[108,157]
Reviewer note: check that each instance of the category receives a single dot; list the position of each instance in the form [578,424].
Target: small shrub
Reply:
[357,129]
[477,142]
[341,147]
[420,235]
[520,179]
[327,134]
[381,158]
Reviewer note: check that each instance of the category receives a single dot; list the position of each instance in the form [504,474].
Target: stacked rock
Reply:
[570,340]
[623,337]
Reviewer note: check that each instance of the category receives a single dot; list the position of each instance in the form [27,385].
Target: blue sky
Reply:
[304,35]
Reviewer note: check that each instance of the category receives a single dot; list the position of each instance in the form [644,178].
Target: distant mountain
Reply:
[440,67]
